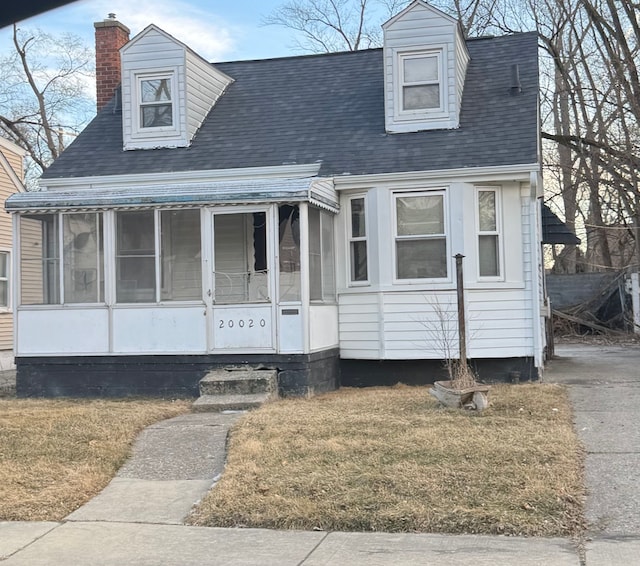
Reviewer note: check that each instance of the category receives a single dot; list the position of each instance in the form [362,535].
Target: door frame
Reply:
[208,280]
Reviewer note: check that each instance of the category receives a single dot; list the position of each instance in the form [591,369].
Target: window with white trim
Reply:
[420,82]
[156,102]
[488,224]
[4,279]
[358,265]
[420,235]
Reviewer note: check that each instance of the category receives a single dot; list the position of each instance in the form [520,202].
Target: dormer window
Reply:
[156,106]
[167,91]
[425,62]
[421,87]
[156,102]
[420,81]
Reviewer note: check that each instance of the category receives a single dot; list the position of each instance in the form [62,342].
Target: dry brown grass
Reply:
[390,459]
[57,454]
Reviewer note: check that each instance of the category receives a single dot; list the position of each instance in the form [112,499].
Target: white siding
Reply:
[424,325]
[423,27]
[462,61]
[323,327]
[63,331]
[162,330]
[359,322]
[323,193]
[204,84]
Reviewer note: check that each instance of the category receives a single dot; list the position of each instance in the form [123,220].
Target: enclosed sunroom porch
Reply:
[133,293]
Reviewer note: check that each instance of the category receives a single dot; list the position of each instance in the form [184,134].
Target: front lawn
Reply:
[55,455]
[391,459]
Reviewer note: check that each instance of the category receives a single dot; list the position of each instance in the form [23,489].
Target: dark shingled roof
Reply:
[330,108]
[554,230]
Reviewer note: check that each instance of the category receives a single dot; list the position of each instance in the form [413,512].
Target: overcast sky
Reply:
[218,30]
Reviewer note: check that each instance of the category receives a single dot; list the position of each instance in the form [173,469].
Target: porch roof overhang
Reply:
[319,192]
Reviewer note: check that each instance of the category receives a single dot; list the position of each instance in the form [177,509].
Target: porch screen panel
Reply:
[39,260]
[83,258]
[321,257]
[315,256]
[328,261]
[135,257]
[180,255]
[289,252]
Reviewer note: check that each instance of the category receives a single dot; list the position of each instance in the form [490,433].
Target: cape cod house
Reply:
[300,214]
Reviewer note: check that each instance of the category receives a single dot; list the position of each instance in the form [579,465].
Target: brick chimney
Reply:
[111,35]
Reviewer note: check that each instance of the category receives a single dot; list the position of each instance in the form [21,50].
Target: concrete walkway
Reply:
[604,388]
[138,519]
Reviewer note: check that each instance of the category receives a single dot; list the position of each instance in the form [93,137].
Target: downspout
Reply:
[537,275]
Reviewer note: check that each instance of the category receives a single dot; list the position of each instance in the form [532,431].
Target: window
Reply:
[39,259]
[488,233]
[156,101]
[4,279]
[83,258]
[321,256]
[357,241]
[421,242]
[420,82]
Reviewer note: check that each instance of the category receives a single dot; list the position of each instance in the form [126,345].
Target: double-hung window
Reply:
[420,82]
[420,235]
[4,280]
[488,223]
[358,265]
[156,101]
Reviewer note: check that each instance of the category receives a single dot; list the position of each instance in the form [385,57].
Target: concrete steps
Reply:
[236,389]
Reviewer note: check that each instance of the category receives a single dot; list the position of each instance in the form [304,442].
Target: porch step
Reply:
[236,389]
[239,381]
[229,402]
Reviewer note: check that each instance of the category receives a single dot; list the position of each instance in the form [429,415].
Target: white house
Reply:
[300,214]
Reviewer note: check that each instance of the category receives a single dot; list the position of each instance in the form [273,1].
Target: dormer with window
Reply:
[167,91]
[425,61]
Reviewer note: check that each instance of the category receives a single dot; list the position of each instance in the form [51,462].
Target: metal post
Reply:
[462,331]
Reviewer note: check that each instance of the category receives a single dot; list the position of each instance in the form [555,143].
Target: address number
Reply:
[241,323]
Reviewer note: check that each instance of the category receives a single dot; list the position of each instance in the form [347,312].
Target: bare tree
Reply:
[326,26]
[45,94]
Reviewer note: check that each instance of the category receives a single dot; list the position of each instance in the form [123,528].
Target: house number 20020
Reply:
[250,323]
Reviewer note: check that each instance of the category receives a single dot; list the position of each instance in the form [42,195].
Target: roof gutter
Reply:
[181,177]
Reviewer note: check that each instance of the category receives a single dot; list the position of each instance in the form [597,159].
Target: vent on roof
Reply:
[516,87]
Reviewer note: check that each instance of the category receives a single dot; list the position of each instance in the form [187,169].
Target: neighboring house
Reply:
[11,176]
[300,213]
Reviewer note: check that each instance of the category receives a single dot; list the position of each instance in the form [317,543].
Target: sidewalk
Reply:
[138,518]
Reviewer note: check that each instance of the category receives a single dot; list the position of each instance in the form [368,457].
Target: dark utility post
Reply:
[462,331]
